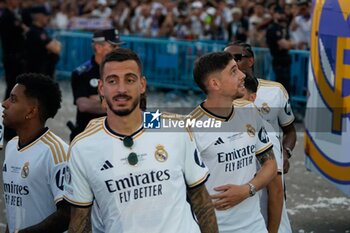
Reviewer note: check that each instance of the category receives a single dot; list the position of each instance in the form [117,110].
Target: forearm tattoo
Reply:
[267,155]
[204,209]
[81,223]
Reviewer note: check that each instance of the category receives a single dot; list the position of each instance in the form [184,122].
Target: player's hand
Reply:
[286,164]
[229,195]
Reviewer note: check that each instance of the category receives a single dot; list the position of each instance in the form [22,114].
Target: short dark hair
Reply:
[208,64]
[45,90]
[251,83]
[120,55]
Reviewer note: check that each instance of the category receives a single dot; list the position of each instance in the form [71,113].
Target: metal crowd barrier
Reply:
[168,63]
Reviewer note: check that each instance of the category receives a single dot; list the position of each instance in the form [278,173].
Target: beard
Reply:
[123,112]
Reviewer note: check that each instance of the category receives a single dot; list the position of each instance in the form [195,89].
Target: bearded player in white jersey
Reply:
[273,102]
[35,160]
[140,179]
[231,151]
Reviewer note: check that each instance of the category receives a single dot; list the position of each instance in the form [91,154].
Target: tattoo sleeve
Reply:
[204,209]
[80,220]
[267,155]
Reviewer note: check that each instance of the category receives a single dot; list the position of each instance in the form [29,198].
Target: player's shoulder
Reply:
[90,133]
[55,147]
[96,121]
[242,103]
[12,142]
[272,86]
[197,113]
[83,68]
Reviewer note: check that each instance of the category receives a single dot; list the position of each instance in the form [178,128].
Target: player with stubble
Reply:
[139,179]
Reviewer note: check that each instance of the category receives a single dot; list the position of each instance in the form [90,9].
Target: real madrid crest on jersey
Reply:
[94,82]
[265,109]
[161,154]
[250,130]
[25,170]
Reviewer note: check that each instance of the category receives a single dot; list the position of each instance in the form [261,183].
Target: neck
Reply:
[219,105]
[125,125]
[29,132]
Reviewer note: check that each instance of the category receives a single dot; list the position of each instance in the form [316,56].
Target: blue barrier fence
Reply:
[168,63]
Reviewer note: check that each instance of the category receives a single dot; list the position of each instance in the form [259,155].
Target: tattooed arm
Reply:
[80,220]
[267,171]
[203,208]
[230,195]
[56,222]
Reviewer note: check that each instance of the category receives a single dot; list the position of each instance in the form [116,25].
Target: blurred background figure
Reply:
[42,51]
[85,78]
[12,32]
[279,43]
[238,27]
[301,25]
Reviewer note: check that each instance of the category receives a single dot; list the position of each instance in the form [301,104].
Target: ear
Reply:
[100,87]
[252,96]
[251,61]
[143,83]
[33,111]
[213,83]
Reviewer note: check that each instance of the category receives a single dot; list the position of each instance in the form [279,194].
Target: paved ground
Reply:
[313,204]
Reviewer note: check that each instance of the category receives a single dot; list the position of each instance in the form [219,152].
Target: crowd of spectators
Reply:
[230,20]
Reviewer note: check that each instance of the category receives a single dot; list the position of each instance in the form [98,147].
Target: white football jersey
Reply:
[33,178]
[1,129]
[273,103]
[230,154]
[147,197]
[285,226]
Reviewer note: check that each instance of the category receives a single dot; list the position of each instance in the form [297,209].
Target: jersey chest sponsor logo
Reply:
[237,158]
[13,193]
[138,186]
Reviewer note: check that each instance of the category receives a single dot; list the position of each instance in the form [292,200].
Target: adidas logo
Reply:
[106,166]
[219,141]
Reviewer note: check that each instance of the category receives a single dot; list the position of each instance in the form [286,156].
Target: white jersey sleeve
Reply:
[263,142]
[57,179]
[276,145]
[195,172]
[77,189]
[285,113]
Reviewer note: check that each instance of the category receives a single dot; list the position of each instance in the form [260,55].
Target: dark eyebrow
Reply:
[131,75]
[233,67]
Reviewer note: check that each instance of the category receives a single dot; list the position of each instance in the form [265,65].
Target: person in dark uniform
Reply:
[85,78]
[42,51]
[277,39]
[12,32]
